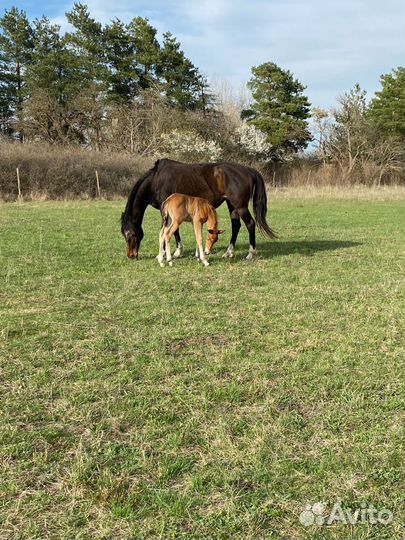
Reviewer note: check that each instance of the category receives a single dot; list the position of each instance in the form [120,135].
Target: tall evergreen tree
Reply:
[120,52]
[16,43]
[52,68]
[387,108]
[146,50]
[87,43]
[180,78]
[280,109]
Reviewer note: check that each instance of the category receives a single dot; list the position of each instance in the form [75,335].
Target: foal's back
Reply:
[185,207]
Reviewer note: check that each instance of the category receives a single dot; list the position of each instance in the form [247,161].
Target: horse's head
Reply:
[133,235]
[211,239]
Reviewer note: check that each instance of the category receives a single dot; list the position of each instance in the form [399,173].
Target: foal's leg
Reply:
[235,220]
[167,237]
[251,227]
[179,245]
[198,235]
[161,255]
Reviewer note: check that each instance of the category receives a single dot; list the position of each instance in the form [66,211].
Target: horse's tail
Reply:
[260,205]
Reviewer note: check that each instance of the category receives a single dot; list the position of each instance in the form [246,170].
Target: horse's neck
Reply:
[139,205]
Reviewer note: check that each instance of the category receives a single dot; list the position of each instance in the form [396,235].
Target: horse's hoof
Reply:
[228,255]
[178,253]
[162,264]
[251,255]
[170,263]
[206,263]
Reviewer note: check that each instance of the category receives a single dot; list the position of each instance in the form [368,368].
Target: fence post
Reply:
[18,184]
[98,186]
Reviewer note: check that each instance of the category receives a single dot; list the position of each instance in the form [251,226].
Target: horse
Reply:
[217,182]
[178,208]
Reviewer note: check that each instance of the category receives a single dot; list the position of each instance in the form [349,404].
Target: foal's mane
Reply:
[131,198]
[212,215]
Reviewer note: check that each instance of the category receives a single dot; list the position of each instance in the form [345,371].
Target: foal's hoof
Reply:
[206,263]
[228,255]
[162,264]
[170,263]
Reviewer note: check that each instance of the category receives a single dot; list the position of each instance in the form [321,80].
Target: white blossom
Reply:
[189,145]
[253,141]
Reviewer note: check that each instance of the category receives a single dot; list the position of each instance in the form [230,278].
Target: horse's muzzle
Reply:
[132,254]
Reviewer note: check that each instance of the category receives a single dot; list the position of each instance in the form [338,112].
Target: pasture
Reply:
[191,402]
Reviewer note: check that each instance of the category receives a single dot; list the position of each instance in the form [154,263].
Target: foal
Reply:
[178,208]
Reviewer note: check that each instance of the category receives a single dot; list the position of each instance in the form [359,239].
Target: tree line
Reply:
[62,85]
[117,87]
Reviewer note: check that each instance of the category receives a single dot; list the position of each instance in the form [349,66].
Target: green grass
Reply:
[184,402]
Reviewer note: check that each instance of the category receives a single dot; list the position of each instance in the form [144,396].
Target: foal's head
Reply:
[133,235]
[213,231]
[212,238]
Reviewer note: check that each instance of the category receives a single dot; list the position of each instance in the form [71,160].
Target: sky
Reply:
[329,45]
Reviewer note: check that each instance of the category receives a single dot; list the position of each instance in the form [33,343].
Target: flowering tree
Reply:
[189,146]
[253,142]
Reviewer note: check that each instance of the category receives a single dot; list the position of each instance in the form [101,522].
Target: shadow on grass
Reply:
[270,249]
[300,247]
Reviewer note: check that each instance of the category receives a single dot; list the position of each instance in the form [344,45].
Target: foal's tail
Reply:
[165,214]
[260,205]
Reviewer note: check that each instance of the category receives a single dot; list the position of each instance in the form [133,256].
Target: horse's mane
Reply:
[134,191]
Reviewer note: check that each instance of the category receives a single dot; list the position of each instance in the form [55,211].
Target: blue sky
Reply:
[329,45]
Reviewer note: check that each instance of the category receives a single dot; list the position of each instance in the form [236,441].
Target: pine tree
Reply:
[146,50]
[123,75]
[280,109]
[387,108]
[52,68]
[180,78]
[16,43]
[87,44]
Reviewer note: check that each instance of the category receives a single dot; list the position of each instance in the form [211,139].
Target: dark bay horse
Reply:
[216,182]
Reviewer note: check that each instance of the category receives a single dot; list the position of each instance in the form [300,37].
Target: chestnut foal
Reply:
[178,208]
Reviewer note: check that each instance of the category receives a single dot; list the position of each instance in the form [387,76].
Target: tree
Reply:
[146,50]
[87,44]
[120,52]
[53,66]
[181,80]
[350,134]
[16,42]
[279,108]
[387,108]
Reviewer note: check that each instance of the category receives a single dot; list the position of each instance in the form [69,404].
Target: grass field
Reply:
[184,402]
